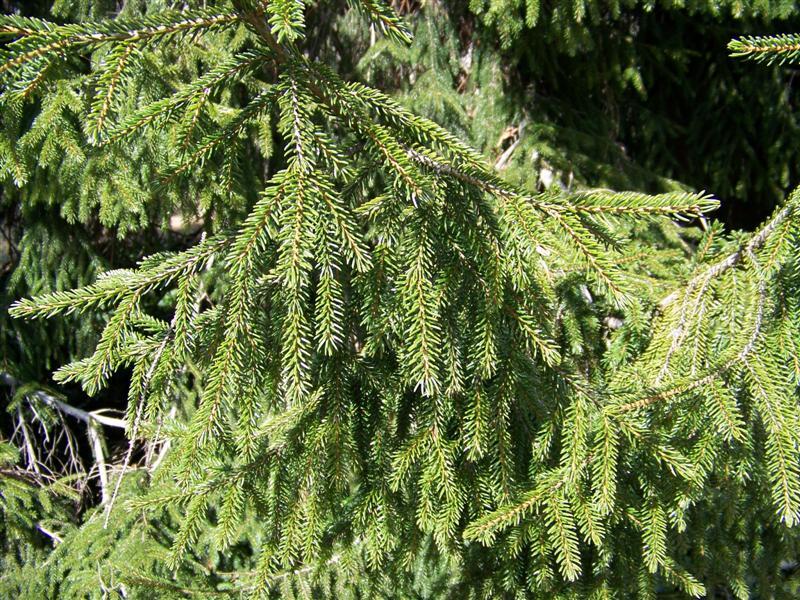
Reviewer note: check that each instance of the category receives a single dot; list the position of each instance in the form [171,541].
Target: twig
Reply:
[32,459]
[67,409]
[53,536]
[96,439]
[505,156]
[733,259]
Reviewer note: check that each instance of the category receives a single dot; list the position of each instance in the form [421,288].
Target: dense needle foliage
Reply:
[360,359]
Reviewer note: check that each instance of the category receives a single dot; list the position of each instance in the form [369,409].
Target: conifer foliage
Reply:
[401,361]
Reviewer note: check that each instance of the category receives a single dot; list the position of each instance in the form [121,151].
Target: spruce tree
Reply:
[381,368]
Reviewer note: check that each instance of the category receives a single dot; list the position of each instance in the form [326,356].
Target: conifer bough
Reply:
[398,350]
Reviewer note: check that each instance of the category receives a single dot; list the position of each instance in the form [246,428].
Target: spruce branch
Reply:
[772,49]
[115,284]
[54,39]
[193,94]
[754,243]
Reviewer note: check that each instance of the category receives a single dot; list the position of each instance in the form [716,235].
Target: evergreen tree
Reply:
[378,356]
